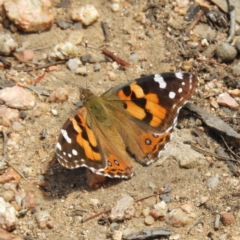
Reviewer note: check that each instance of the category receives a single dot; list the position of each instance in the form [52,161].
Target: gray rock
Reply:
[73,63]
[7,44]
[8,218]
[124,209]
[237,45]
[213,182]
[225,52]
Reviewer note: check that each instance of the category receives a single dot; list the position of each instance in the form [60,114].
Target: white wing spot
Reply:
[183,83]
[70,155]
[158,78]
[64,153]
[180,90]
[66,137]
[172,95]
[179,75]
[59,147]
[74,152]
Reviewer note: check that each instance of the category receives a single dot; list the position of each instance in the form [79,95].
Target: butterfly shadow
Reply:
[62,181]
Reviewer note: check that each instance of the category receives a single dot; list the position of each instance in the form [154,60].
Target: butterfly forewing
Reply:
[157,99]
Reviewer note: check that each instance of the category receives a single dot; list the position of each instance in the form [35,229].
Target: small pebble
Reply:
[145,212]
[117,235]
[217,221]
[23,115]
[59,95]
[111,75]
[133,58]
[151,185]
[234,92]
[18,127]
[227,218]
[7,44]
[54,112]
[94,201]
[213,182]
[115,7]
[187,208]
[224,99]
[203,199]
[213,102]
[236,70]
[149,220]
[73,63]
[174,237]
[204,42]
[85,58]
[87,14]
[81,71]
[225,52]
[177,218]
[63,24]
[96,67]
[114,226]
[115,66]
[8,195]
[63,51]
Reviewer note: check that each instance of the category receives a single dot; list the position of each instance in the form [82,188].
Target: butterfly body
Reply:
[130,120]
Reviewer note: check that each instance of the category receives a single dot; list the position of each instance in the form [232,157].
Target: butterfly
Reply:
[132,120]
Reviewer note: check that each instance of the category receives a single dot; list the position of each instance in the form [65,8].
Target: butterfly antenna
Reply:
[86,47]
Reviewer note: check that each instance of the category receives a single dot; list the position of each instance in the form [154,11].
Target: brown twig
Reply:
[213,62]
[38,79]
[229,149]
[199,220]
[44,66]
[195,21]
[232,21]
[109,209]
[115,58]
[213,154]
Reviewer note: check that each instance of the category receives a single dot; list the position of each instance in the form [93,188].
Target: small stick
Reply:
[115,58]
[38,79]
[30,88]
[105,29]
[213,62]
[213,154]
[199,220]
[232,22]
[230,150]
[109,209]
[195,21]
[44,66]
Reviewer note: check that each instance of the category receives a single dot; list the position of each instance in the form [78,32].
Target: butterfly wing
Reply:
[150,105]
[138,117]
[79,143]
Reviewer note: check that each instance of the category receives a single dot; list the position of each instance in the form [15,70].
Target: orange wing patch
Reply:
[141,105]
[153,143]
[119,167]
[90,142]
